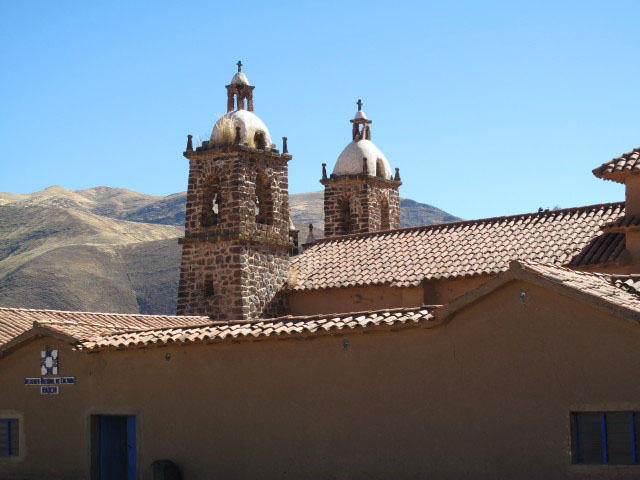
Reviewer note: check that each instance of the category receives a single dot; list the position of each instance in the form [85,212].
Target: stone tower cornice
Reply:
[209,151]
[360,178]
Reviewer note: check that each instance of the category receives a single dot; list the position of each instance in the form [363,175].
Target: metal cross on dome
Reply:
[239,65]
[359,103]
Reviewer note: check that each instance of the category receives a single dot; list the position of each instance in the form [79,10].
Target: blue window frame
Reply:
[606,438]
[8,437]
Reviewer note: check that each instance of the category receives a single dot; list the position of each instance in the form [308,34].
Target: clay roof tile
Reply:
[407,256]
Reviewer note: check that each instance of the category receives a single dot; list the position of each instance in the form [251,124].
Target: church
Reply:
[494,348]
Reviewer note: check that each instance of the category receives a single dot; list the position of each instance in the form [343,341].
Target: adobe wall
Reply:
[353,299]
[632,195]
[443,290]
[378,297]
[486,396]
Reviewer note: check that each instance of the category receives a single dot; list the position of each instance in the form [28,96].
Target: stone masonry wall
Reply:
[366,196]
[244,280]
[236,174]
[232,269]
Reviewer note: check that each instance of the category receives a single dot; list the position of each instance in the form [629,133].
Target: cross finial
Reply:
[359,103]
[239,65]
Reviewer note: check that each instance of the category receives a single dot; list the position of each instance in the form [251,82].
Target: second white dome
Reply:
[350,160]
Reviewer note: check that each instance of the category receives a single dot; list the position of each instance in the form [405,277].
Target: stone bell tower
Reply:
[361,195]
[235,251]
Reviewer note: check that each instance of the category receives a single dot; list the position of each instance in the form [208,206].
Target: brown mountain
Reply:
[115,250]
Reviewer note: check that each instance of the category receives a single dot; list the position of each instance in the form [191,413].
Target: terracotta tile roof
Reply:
[604,248]
[616,290]
[261,328]
[407,256]
[617,168]
[619,290]
[14,321]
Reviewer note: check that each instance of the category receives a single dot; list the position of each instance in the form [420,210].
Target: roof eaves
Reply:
[36,331]
[277,332]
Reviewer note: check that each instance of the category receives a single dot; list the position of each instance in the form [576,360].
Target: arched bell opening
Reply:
[347,217]
[211,202]
[379,168]
[259,141]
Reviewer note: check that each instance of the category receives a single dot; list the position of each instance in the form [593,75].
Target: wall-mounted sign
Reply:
[50,381]
[49,366]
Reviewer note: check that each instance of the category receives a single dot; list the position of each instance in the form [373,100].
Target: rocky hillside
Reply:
[71,259]
[112,249]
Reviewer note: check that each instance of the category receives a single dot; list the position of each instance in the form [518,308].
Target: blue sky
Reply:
[487,108]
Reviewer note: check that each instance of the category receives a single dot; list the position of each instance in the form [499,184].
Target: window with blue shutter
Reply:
[606,438]
[8,437]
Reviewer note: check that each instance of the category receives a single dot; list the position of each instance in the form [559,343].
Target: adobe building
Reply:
[495,348]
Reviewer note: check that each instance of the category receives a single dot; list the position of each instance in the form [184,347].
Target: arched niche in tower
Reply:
[379,168]
[259,140]
[264,200]
[385,222]
[346,216]
[211,201]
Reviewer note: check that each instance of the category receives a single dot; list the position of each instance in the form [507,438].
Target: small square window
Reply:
[9,440]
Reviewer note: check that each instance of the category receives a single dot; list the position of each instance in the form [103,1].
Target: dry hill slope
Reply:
[115,250]
[74,260]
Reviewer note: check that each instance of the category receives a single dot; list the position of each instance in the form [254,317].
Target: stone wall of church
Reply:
[228,177]
[236,247]
[231,281]
[360,204]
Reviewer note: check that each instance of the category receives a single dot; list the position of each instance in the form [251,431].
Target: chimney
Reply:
[626,169]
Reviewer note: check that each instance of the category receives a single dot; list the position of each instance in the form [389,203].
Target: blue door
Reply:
[117,447]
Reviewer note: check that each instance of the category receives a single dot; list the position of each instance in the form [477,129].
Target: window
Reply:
[605,437]
[379,168]
[8,437]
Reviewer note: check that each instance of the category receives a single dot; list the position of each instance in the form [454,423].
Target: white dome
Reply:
[360,115]
[350,160]
[249,123]
[239,78]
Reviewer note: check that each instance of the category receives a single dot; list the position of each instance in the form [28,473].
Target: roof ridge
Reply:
[616,281]
[637,149]
[155,329]
[44,310]
[83,324]
[289,318]
[565,269]
[468,222]
[611,168]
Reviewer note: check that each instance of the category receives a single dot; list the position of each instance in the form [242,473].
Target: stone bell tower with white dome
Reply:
[235,251]
[361,195]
